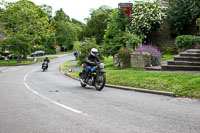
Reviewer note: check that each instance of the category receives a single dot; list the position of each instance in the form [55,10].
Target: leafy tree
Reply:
[48,9]
[61,16]
[66,31]
[24,23]
[183,14]
[52,25]
[97,24]
[78,28]
[115,35]
[65,35]
[77,22]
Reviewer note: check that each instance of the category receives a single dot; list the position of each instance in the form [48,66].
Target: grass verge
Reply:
[28,61]
[181,84]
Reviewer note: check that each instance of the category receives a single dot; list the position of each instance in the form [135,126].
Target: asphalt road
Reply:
[32,101]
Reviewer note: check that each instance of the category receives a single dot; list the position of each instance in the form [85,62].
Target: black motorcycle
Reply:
[44,66]
[95,78]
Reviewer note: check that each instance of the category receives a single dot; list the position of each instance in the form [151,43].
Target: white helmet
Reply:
[94,51]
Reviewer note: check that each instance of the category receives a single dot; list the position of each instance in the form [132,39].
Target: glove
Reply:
[93,63]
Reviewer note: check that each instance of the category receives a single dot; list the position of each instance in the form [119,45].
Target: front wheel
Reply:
[81,79]
[100,81]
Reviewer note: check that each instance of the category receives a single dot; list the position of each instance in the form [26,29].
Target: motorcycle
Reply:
[44,66]
[95,78]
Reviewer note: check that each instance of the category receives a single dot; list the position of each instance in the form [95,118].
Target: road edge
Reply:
[128,88]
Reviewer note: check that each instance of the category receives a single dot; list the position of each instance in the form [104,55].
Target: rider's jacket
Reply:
[46,60]
[91,60]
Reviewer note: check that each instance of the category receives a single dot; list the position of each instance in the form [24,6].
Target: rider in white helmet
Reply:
[90,61]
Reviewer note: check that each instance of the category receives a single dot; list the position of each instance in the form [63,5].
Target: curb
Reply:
[129,88]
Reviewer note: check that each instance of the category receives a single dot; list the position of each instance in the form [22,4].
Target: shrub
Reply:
[167,50]
[123,56]
[132,41]
[186,41]
[154,52]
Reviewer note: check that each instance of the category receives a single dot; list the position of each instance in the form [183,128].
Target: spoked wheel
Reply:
[81,80]
[83,85]
[100,82]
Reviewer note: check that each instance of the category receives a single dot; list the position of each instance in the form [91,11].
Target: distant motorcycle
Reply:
[95,78]
[44,66]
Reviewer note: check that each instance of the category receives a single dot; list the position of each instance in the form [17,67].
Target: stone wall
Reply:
[162,36]
[140,60]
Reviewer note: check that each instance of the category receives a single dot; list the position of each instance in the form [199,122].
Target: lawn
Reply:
[168,56]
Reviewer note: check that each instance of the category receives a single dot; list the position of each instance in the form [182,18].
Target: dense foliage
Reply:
[146,17]
[186,41]
[66,31]
[97,24]
[23,23]
[183,14]
[116,35]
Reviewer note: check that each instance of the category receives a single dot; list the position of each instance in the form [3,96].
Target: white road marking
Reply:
[54,102]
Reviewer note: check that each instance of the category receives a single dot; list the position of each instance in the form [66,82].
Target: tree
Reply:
[97,24]
[79,28]
[24,23]
[65,35]
[61,16]
[183,14]
[66,31]
[48,9]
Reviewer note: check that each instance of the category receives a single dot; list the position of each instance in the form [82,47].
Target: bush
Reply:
[145,18]
[154,52]
[167,50]
[124,56]
[84,49]
[186,41]
[132,41]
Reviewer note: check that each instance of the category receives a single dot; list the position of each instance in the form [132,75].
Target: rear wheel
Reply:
[100,82]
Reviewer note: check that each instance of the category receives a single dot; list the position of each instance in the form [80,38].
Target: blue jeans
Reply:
[88,69]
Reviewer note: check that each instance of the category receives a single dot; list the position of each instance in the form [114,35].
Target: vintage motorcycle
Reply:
[44,66]
[95,78]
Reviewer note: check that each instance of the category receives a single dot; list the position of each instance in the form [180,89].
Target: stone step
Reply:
[180,68]
[186,58]
[186,63]
[193,51]
[190,54]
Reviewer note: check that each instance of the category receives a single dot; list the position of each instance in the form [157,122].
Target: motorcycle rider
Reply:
[45,60]
[90,61]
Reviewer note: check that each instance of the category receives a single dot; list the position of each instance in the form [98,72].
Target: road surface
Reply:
[32,101]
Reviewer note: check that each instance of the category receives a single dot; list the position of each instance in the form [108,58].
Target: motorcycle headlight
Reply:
[102,65]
